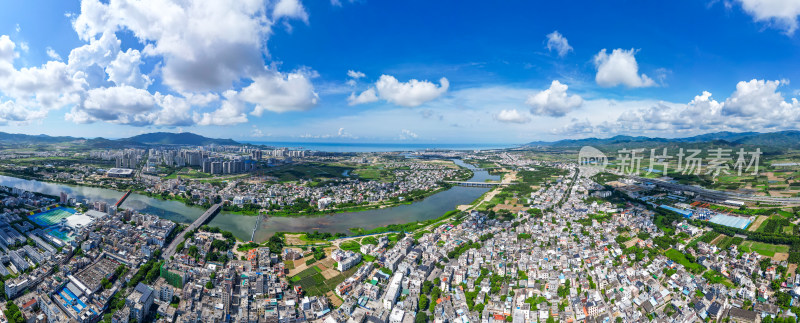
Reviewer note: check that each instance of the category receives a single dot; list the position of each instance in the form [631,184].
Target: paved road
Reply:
[721,195]
[212,211]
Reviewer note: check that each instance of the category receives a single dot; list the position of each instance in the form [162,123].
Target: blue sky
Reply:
[405,71]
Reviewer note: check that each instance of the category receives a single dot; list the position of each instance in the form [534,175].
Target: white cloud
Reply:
[7,56]
[257,133]
[756,105]
[355,74]
[559,43]
[281,92]
[50,86]
[290,9]
[203,48]
[344,134]
[619,68]
[124,70]
[122,104]
[512,116]
[205,45]
[781,14]
[368,96]
[15,114]
[409,94]
[575,126]
[756,97]
[408,134]
[53,54]
[554,101]
[232,111]
[354,77]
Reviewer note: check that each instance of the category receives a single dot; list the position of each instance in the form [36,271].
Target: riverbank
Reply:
[259,229]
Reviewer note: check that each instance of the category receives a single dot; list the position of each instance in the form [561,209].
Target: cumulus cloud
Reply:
[755,97]
[619,68]
[781,14]
[557,42]
[122,104]
[15,114]
[512,116]
[755,105]
[575,126]
[49,86]
[202,49]
[124,70]
[409,94]
[368,96]
[290,9]
[554,101]
[281,92]
[232,111]
[198,55]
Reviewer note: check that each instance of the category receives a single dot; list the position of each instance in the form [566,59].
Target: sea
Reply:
[349,147]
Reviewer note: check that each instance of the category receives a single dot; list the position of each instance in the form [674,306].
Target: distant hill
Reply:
[148,139]
[772,140]
[33,139]
[171,138]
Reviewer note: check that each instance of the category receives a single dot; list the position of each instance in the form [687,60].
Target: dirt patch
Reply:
[771,177]
[510,177]
[335,300]
[512,208]
[774,193]
[294,239]
[631,242]
[757,223]
[325,263]
[780,256]
[330,273]
[792,270]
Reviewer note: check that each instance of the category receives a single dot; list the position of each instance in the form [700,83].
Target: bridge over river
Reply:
[478,184]
[203,219]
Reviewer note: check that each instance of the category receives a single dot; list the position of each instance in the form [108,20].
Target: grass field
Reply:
[188,173]
[351,245]
[716,277]
[678,257]
[288,173]
[375,174]
[763,249]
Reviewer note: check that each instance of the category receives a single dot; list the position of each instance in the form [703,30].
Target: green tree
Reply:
[421,318]
[423,302]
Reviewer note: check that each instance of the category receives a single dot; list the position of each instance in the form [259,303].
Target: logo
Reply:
[592,157]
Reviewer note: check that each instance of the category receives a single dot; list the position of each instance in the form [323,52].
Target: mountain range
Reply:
[148,139]
[773,140]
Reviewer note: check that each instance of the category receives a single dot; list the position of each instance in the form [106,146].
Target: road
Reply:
[212,211]
[720,195]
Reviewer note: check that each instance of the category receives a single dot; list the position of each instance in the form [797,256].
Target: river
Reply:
[242,226]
